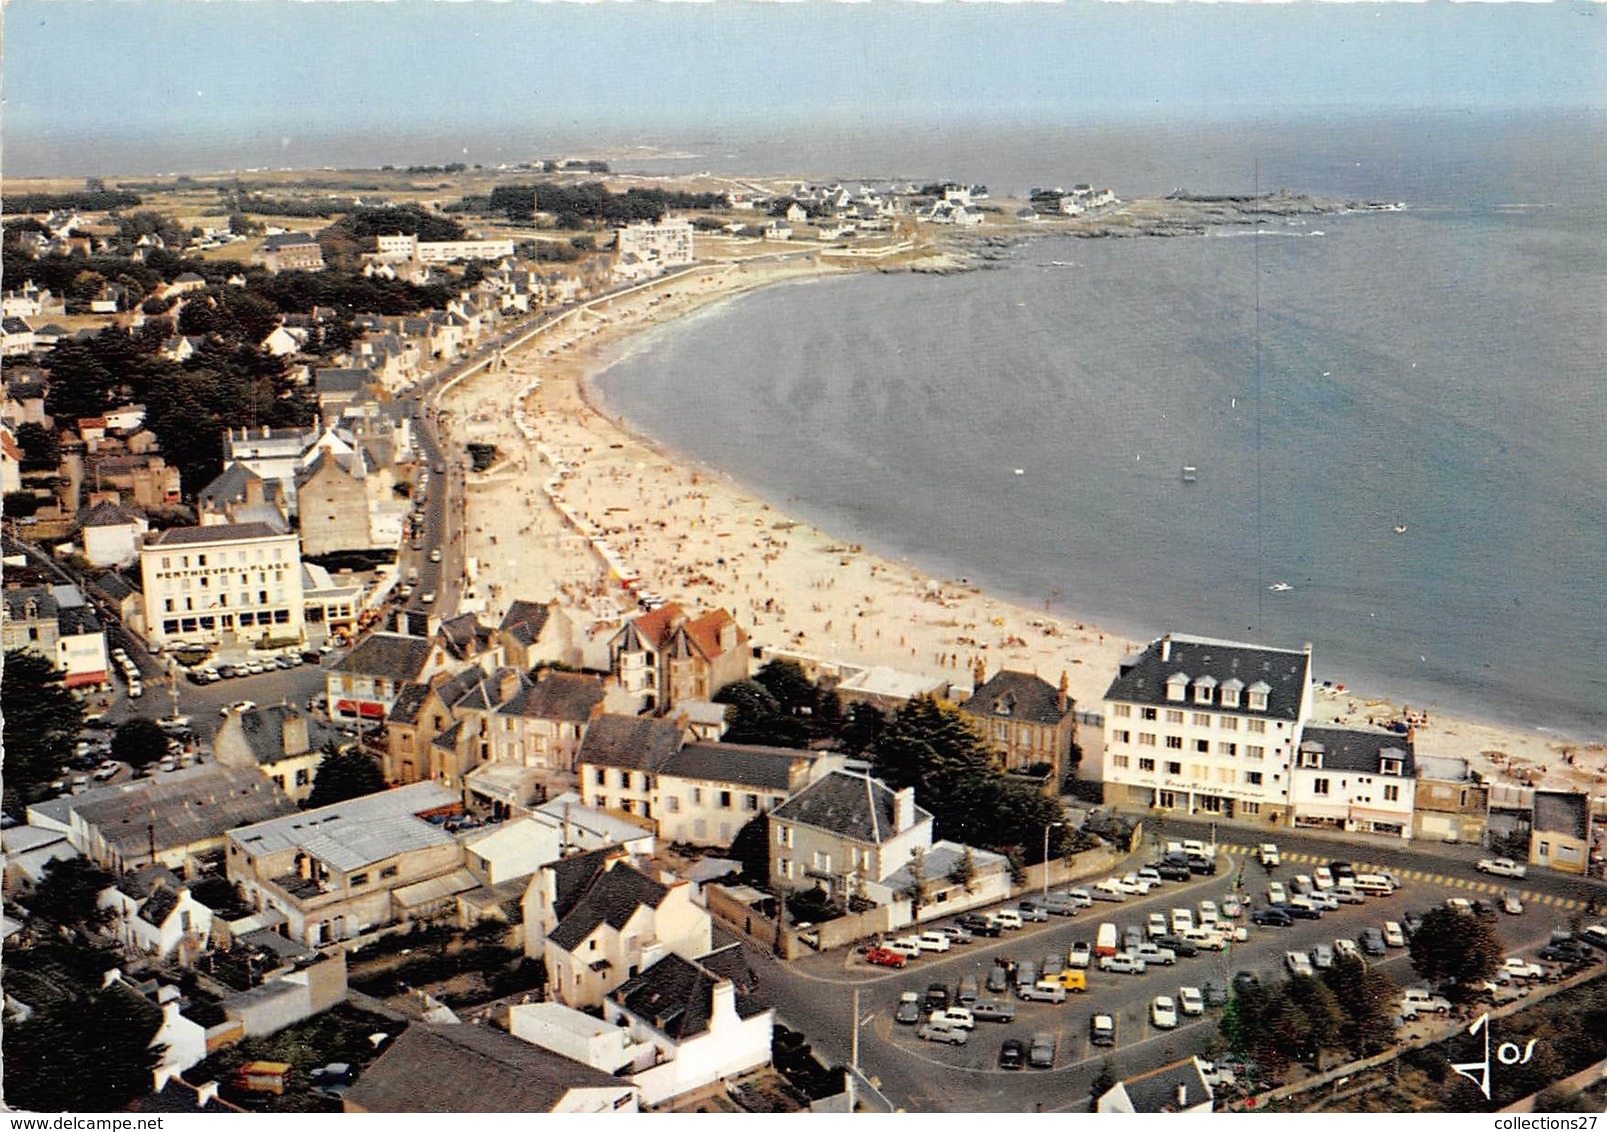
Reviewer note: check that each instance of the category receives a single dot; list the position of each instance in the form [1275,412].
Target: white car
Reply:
[1420,1000]
[1121,964]
[1502,867]
[1190,1001]
[1520,969]
[237,707]
[1510,903]
[1081,955]
[1137,884]
[1123,885]
[1346,949]
[1208,912]
[1269,855]
[934,941]
[1156,925]
[1345,894]
[1298,963]
[1322,878]
[1163,1012]
[1276,895]
[1182,920]
[1206,939]
[1232,907]
[1393,935]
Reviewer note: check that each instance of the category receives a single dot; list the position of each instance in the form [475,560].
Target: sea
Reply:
[1397,418]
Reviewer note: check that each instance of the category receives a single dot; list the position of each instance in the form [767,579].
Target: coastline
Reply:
[699,538]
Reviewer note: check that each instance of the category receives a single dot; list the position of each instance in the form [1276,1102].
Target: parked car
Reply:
[1276,894]
[1163,1012]
[934,941]
[1510,903]
[1102,1030]
[1181,946]
[1346,949]
[908,1012]
[1232,907]
[1109,891]
[1342,871]
[1208,913]
[937,997]
[1032,911]
[1300,885]
[1421,1000]
[1190,1001]
[1182,920]
[1081,955]
[1270,858]
[1204,939]
[998,980]
[1053,964]
[1322,876]
[987,1010]
[1154,955]
[1059,904]
[1155,925]
[1121,964]
[1012,1054]
[1322,956]
[1079,897]
[956,1016]
[1301,908]
[1132,936]
[1298,962]
[1168,870]
[1372,941]
[1042,1053]
[968,991]
[977,925]
[1044,990]
[882,957]
[1520,969]
[937,1032]
[1595,935]
[1271,918]
[1347,894]
[1216,994]
[908,947]
[1025,974]
[1008,918]
[1502,867]
[1393,935]
[957,934]
[1569,952]
[1150,876]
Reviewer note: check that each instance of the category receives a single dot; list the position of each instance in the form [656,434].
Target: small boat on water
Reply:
[1280,587]
[1400,528]
[1191,474]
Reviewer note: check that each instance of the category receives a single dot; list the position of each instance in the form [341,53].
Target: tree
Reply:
[1325,1017]
[342,775]
[916,888]
[69,893]
[41,450]
[139,743]
[1365,994]
[90,1053]
[42,721]
[751,846]
[964,871]
[1451,947]
[754,715]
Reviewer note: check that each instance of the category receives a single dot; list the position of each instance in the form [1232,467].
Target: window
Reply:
[784,835]
[1319,786]
[1256,752]
[750,802]
[1174,742]
[1250,807]
[784,867]
[1147,765]
[1146,739]
[1311,758]
[1211,804]
[1389,766]
[1174,690]
[1229,749]
[303,777]
[1229,723]
[600,777]
[1149,713]
[1173,716]
[1202,719]
[1122,711]
[1174,768]
[697,795]
[1392,793]
[1252,778]
[1202,746]
[1121,762]
[1199,773]
[1258,701]
[1256,726]
[672,804]
[387,872]
[358,879]
[725,799]
[1121,736]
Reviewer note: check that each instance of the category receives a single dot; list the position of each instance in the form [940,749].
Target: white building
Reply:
[272,453]
[1206,727]
[645,248]
[235,582]
[403,247]
[1355,780]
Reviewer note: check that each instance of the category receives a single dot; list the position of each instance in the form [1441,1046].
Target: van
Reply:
[1105,941]
[1044,990]
[1076,981]
[1006,918]
[1373,884]
[1026,974]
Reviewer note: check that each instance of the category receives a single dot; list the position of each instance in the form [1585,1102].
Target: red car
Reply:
[885,958]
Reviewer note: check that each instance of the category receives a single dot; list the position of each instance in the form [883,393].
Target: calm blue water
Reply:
[1438,368]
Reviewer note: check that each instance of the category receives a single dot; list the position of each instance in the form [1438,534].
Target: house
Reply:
[154,913]
[272,453]
[704,793]
[534,633]
[338,871]
[338,388]
[542,724]
[281,342]
[16,337]
[467,1068]
[1178,1087]
[111,534]
[887,689]
[275,740]
[289,251]
[333,506]
[147,479]
[1357,781]
[444,729]
[690,1024]
[239,495]
[619,757]
[166,821]
[365,683]
[115,593]
[1206,727]
[1030,721]
[1560,836]
[237,581]
[620,923]
[68,634]
[796,213]
[843,831]
[1452,803]
[664,657]
[28,850]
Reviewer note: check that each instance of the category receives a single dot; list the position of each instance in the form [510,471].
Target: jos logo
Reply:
[1507,1053]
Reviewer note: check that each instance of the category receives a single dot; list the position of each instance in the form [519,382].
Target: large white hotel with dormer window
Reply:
[1218,729]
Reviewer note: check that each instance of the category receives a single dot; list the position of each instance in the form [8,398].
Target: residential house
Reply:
[111,534]
[1452,803]
[365,683]
[619,758]
[934,870]
[664,657]
[535,633]
[166,821]
[238,581]
[289,251]
[147,479]
[704,793]
[154,913]
[274,739]
[272,453]
[1030,721]
[542,724]
[444,729]
[338,871]
[1560,836]
[69,634]
[1178,1087]
[455,1069]
[333,503]
[117,594]
[1358,781]
[338,388]
[844,831]
[281,342]
[1206,727]
[16,337]
[624,918]
[239,495]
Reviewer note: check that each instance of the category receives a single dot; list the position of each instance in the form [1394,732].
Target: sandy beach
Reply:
[577,500]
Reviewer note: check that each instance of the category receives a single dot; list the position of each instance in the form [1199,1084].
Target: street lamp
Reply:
[1046,829]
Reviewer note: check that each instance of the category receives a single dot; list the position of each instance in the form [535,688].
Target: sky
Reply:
[92,85]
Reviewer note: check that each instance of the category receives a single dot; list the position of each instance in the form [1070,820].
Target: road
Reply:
[814,994]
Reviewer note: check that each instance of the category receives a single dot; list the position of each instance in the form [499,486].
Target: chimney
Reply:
[979,673]
[1182,1094]
[1166,650]
[206,1093]
[904,809]
[1064,697]
[651,953]
[254,487]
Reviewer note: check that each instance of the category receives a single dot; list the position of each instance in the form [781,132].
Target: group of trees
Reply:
[1347,1007]
[591,204]
[42,721]
[88,199]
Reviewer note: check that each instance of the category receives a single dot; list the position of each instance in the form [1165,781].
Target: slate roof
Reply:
[1156,1091]
[264,731]
[464,636]
[470,1068]
[524,621]
[408,702]
[1357,750]
[612,899]
[45,606]
[738,763]
[729,962]
[1559,812]
[389,656]
[287,240]
[562,696]
[146,879]
[1284,672]
[77,621]
[159,907]
[201,806]
[629,741]
[575,874]
[341,380]
[849,805]
[105,514]
[194,536]
[1019,696]
[674,996]
[114,586]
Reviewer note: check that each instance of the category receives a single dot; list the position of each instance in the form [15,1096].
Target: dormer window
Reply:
[1311,758]
[1204,687]
[1389,766]
[1258,696]
[1230,693]
[1176,685]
